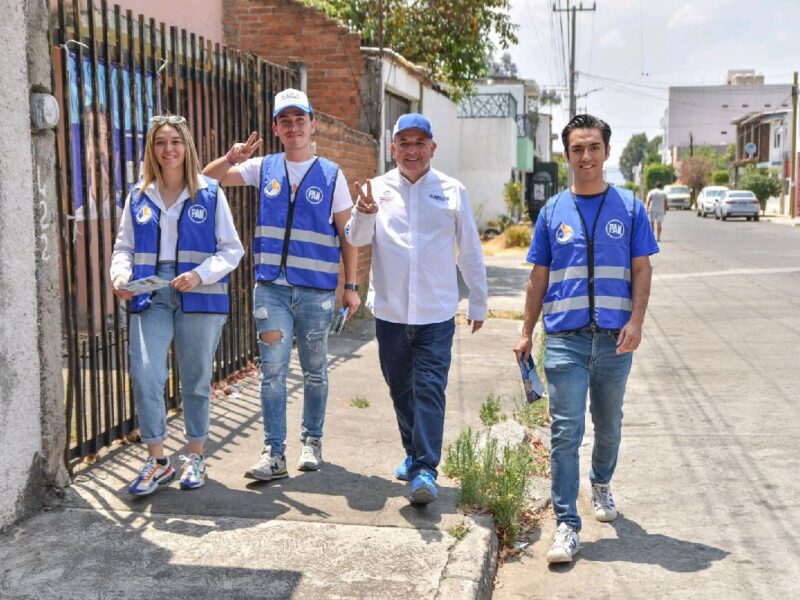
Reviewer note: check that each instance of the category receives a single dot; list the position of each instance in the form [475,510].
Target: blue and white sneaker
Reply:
[151,476]
[566,543]
[194,471]
[401,472]
[423,489]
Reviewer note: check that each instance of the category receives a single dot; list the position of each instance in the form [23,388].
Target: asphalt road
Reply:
[708,480]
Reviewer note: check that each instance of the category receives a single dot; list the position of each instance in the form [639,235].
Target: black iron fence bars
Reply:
[112,72]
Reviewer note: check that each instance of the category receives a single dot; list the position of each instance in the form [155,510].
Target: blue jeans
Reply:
[196,338]
[577,363]
[415,360]
[304,314]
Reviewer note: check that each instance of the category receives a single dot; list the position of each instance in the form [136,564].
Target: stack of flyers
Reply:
[338,321]
[534,389]
[145,285]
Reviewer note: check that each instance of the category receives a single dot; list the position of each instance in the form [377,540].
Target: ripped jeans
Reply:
[301,313]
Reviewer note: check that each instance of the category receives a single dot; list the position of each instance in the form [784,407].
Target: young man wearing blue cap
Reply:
[591,283]
[421,228]
[304,205]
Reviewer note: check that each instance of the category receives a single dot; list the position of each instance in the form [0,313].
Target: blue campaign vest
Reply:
[590,277]
[197,241]
[299,236]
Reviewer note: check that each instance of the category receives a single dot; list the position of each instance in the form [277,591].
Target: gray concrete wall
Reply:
[31,439]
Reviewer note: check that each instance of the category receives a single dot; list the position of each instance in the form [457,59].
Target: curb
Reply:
[472,564]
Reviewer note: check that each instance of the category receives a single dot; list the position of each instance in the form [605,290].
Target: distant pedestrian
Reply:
[176,225]
[591,282]
[304,205]
[421,228]
[657,208]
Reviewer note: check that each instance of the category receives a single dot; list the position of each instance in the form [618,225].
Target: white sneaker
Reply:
[268,466]
[566,543]
[310,455]
[605,510]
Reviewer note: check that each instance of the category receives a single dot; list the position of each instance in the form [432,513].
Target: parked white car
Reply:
[738,203]
[678,196]
[707,199]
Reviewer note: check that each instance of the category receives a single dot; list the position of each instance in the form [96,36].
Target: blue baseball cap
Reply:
[413,121]
[291,98]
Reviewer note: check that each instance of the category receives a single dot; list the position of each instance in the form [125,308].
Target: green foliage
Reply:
[656,173]
[490,479]
[459,531]
[359,402]
[518,236]
[629,185]
[638,149]
[490,411]
[512,197]
[720,177]
[535,414]
[719,160]
[450,37]
[562,170]
[696,172]
[762,183]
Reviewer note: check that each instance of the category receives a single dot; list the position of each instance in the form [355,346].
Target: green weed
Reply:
[490,411]
[359,402]
[458,531]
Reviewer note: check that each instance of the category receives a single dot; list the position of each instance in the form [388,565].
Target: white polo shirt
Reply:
[421,233]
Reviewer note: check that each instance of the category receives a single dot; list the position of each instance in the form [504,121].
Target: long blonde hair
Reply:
[191,164]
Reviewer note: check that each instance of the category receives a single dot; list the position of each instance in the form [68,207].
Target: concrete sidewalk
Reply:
[346,531]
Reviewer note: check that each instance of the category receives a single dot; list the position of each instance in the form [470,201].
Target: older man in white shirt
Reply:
[421,228]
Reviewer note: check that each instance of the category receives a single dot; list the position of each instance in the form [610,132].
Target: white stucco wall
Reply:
[443,114]
[487,154]
[20,408]
[544,144]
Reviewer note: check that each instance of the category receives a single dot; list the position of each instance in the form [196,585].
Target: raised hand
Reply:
[365,203]
[240,152]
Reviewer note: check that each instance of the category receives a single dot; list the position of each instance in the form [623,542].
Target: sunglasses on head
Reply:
[171,119]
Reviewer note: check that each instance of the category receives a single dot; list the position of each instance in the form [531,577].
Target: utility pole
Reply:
[571,30]
[793,184]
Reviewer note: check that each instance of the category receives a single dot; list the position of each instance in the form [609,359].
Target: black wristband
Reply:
[351,286]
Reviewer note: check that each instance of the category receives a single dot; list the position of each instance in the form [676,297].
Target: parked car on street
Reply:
[707,199]
[737,203]
[678,196]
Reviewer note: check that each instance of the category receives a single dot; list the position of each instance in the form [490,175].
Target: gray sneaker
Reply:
[603,505]
[310,455]
[268,466]
[566,543]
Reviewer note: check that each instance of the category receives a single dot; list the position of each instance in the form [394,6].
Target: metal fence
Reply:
[481,106]
[112,72]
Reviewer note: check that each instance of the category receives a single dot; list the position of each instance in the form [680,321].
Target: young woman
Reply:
[176,225]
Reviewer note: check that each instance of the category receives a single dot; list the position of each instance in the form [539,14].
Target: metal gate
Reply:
[112,72]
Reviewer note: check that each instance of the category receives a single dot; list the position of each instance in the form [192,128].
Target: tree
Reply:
[450,37]
[656,173]
[629,185]
[762,183]
[720,177]
[562,170]
[696,172]
[512,196]
[637,150]
[502,69]
[720,160]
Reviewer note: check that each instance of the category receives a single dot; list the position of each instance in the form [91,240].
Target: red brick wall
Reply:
[285,30]
[356,153]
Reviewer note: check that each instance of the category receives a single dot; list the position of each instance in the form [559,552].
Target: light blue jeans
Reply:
[577,363]
[196,338]
[305,315]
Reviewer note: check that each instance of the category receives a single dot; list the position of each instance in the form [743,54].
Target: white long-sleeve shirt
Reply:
[223,261]
[421,233]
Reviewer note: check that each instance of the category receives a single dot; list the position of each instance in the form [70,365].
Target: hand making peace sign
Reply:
[365,203]
[240,152]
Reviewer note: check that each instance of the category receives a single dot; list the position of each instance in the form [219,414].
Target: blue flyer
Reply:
[534,389]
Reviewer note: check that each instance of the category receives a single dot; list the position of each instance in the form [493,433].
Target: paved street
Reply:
[707,482]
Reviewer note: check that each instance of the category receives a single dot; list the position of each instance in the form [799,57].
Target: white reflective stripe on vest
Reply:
[145,258]
[557,306]
[311,264]
[612,273]
[211,288]
[568,273]
[267,258]
[612,303]
[299,235]
[192,256]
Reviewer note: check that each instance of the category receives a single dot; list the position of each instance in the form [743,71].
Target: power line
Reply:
[572,30]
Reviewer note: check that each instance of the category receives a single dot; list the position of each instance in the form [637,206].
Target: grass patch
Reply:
[492,480]
[458,531]
[536,414]
[518,236]
[359,402]
[490,412]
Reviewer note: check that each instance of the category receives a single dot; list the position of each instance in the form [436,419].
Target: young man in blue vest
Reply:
[304,206]
[421,228]
[591,283]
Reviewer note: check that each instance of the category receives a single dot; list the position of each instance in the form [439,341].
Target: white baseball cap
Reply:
[291,98]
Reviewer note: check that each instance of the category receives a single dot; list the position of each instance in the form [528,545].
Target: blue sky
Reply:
[635,49]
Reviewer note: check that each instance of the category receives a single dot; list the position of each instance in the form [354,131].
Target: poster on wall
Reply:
[123,130]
